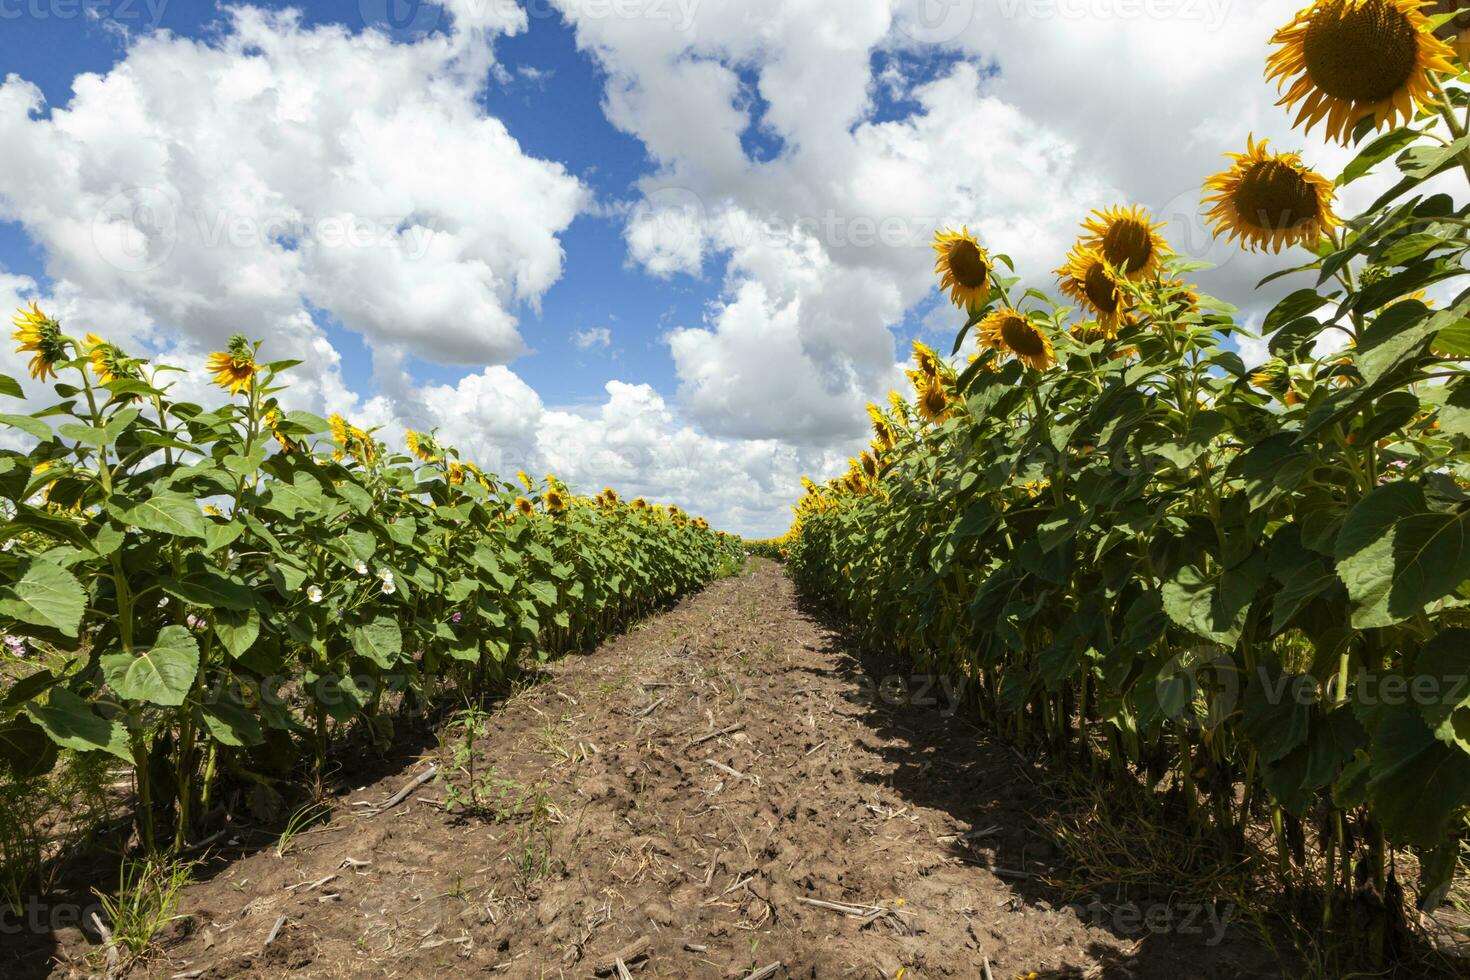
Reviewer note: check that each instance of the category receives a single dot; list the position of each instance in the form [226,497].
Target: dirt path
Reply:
[617,825]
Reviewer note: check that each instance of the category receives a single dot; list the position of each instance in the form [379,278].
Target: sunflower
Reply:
[233,368]
[421,446]
[1268,200]
[273,420]
[40,336]
[1089,280]
[338,426]
[456,474]
[109,362]
[555,502]
[1273,377]
[931,398]
[611,496]
[882,430]
[1127,240]
[965,267]
[525,506]
[640,504]
[1350,60]
[525,480]
[1013,335]
[870,465]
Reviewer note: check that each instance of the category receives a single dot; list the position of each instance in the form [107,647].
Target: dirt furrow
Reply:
[721,789]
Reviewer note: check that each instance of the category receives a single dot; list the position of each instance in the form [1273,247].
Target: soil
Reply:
[616,819]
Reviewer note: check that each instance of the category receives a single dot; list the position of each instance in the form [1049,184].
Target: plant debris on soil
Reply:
[724,791]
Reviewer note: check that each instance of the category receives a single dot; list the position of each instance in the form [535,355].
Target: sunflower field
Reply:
[220,594]
[1245,588]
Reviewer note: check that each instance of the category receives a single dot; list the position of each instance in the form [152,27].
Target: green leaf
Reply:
[380,641]
[165,513]
[1395,555]
[162,675]
[231,724]
[71,723]
[1417,784]
[10,386]
[25,423]
[1215,607]
[237,630]
[1376,152]
[1441,686]
[44,595]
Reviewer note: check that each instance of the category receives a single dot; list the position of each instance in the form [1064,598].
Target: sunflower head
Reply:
[1274,377]
[456,474]
[1350,60]
[870,465]
[273,420]
[1010,333]
[525,507]
[1127,239]
[1268,200]
[41,337]
[611,496]
[931,398]
[233,368]
[109,362]
[1088,279]
[556,502]
[338,426]
[964,267]
[423,447]
[639,503]
[882,431]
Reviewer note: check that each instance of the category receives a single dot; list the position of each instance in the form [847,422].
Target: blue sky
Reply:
[551,103]
[702,248]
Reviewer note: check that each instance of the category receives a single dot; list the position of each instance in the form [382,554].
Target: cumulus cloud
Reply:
[228,184]
[895,117]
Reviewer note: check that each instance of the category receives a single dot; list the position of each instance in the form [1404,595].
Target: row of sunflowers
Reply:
[1243,587]
[223,594]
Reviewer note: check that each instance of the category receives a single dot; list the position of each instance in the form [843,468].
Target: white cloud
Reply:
[224,185]
[1025,116]
[592,337]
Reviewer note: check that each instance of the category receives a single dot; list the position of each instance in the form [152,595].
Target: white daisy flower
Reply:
[314,593]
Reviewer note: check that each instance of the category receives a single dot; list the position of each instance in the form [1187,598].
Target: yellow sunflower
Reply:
[931,398]
[1350,60]
[456,474]
[640,504]
[525,480]
[525,506]
[1012,334]
[273,420]
[882,431]
[965,267]
[40,336]
[1089,280]
[421,446]
[555,502]
[610,495]
[234,368]
[338,426]
[870,465]
[1268,200]
[1128,239]
[109,362]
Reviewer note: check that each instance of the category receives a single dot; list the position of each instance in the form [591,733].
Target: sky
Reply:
[672,246]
